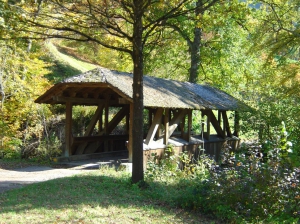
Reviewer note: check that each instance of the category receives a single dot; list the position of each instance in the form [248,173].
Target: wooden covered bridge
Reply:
[169,107]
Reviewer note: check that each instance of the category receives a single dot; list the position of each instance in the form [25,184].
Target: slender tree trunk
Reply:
[195,49]
[138,103]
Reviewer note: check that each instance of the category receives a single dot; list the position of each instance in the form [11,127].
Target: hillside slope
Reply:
[68,59]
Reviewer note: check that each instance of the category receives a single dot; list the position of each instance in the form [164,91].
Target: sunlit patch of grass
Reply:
[77,64]
[102,196]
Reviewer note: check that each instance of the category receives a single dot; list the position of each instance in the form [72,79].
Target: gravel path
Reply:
[10,179]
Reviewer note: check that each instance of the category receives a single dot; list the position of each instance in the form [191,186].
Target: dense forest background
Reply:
[248,49]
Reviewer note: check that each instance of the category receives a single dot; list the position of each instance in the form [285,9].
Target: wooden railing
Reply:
[96,144]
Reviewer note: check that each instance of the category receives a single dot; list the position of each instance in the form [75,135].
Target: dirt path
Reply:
[10,179]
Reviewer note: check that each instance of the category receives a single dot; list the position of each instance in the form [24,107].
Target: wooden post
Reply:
[219,117]
[166,121]
[236,124]
[182,126]
[106,121]
[155,125]
[224,116]
[68,130]
[127,123]
[100,127]
[189,131]
[226,124]
[129,146]
[149,117]
[208,126]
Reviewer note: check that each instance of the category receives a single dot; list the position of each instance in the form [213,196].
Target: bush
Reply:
[12,150]
[246,187]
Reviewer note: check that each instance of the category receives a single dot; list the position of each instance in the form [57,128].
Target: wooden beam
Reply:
[208,124]
[166,122]
[175,120]
[107,98]
[155,123]
[109,128]
[68,129]
[90,129]
[100,126]
[182,128]
[213,120]
[236,124]
[226,123]
[150,117]
[219,116]
[127,122]
[94,120]
[123,101]
[75,100]
[189,131]
[95,138]
[117,119]
[130,143]
[206,133]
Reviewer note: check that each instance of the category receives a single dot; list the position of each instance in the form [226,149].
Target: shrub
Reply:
[249,186]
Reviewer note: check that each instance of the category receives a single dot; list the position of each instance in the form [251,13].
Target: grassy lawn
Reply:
[101,196]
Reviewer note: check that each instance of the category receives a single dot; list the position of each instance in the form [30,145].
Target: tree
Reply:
[201,32]
[21,81]
[132,23]
[278,36]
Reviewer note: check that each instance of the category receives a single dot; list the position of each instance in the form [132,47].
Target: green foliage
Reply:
[21,81]
[12,150]
[250,186]
[172,167]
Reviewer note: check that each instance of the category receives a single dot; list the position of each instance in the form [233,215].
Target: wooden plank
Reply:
[226,122]
[155,123]
[166,123]
[68,129]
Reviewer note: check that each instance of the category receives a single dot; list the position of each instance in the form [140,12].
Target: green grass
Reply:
[72,61]
[102,196]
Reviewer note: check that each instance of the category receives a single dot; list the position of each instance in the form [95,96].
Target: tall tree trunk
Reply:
[195,49]
[195,56]
[138,103]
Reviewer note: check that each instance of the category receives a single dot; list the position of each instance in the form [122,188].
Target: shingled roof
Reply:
[158,92]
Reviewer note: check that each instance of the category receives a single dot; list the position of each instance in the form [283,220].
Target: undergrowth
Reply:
[246,187]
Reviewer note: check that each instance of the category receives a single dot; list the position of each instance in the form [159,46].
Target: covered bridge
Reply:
[169,107]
